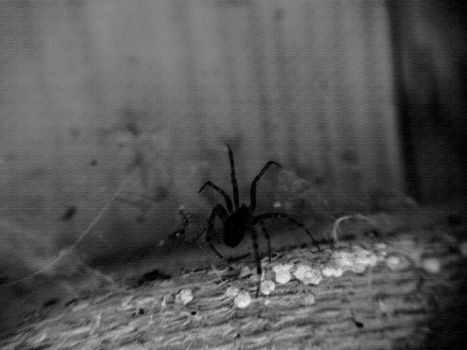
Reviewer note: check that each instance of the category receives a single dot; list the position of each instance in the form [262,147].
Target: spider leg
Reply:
[255,181]
[268,238]
[224,194]
[254,238]
[221,212]
[233,178]
[265,216]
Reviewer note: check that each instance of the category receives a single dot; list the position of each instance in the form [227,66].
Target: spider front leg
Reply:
[224,194]
[254,239]
[233,179]
[266,216]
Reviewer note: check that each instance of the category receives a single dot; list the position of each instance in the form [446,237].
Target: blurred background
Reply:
[362,102]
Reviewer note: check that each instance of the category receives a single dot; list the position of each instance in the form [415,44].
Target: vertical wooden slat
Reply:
[155,88]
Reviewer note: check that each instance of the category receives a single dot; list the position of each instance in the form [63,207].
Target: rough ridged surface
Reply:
[379,309]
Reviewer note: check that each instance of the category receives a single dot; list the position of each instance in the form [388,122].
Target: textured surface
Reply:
[389,306]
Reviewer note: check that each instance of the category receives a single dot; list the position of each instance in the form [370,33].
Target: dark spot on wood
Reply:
[454,220]
[358,323]
[372,233]
[162,193]
[349,157]
[193,313]
[139,311]
[50,302]
[93,162]
[69,213]
[71,302]
[132,127]
[154,275]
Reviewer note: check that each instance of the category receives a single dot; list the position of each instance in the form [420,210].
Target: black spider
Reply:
[238,219]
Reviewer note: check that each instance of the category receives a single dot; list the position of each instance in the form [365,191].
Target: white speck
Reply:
[267,302]
[184,297]
[282,273]
[332,271]
[308,275]
[365,257]
[267,287]
[431,265]
[356,261]
[463,248]
[168,299]
[125,304]
[397,263]
[245,271]
[277,204]
[309,299]
[161,243]
[381,246]
[242,300]
[385,308]
[232,291]
[381,251]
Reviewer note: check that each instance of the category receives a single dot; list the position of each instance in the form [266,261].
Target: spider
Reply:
[238,219]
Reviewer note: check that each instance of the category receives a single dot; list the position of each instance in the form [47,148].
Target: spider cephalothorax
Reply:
[238,219]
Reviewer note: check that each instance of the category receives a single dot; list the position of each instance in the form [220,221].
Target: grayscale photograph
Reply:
[233,174]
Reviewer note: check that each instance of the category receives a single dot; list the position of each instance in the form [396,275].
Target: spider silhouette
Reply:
[238,219]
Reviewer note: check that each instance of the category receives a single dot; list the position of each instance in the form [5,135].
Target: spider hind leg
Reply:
[290,219]
[255,182]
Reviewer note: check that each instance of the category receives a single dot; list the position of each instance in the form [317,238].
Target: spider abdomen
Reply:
[235,227]
[233,233]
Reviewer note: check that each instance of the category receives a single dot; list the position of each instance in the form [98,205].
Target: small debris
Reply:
[232,292]
[463,248]
[397,263]
[69,213]
[381,251]
[168,299]
[385,307]
[431,265]
[309,299]
[282,273]
[246,271]
[242,300]
[307,275]
[332,271]
[267,287]
[365,257]
[184,297]
[356,260]
[406,246]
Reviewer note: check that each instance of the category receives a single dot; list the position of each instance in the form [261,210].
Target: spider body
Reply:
[238,219]
[235,226]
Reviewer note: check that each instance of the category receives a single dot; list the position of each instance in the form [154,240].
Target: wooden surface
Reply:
[412,307]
